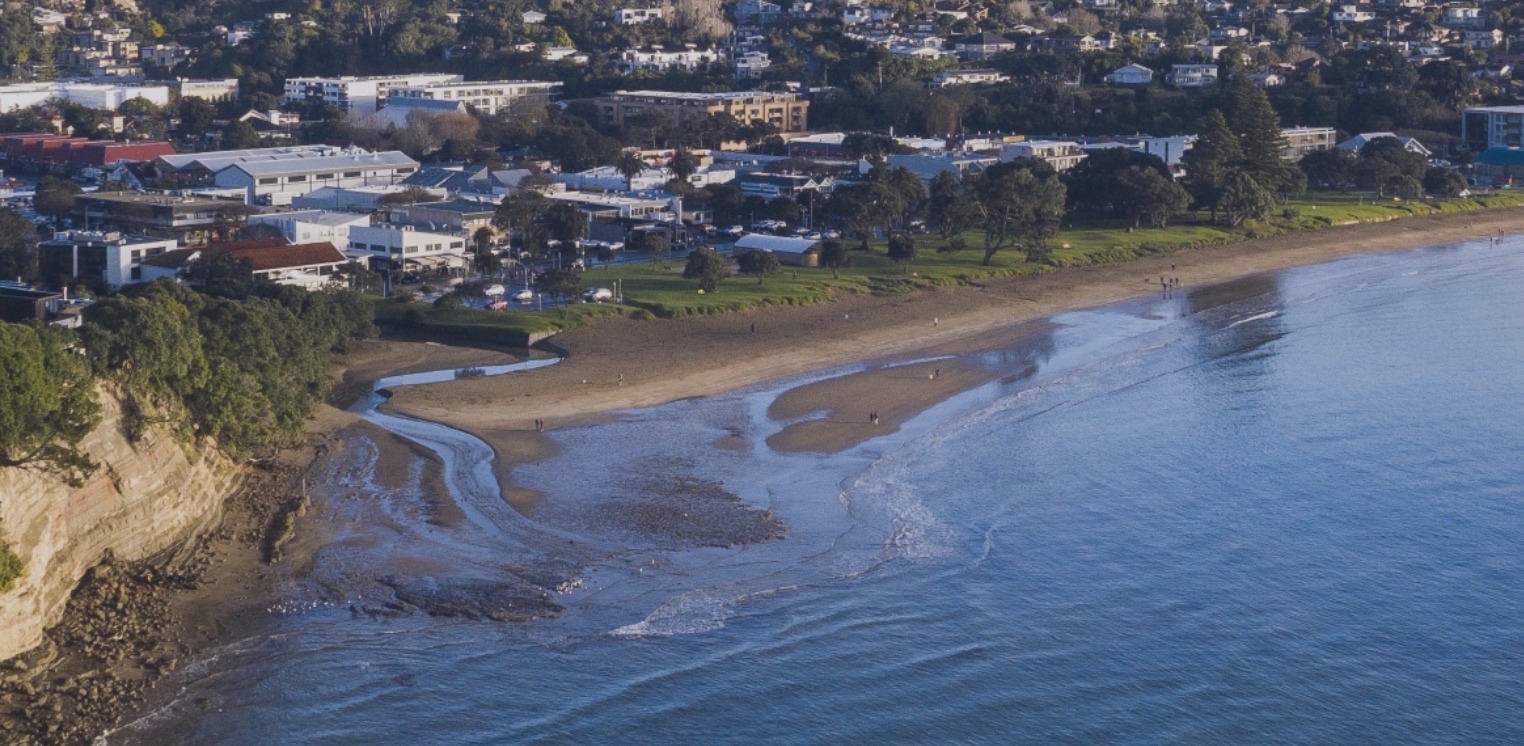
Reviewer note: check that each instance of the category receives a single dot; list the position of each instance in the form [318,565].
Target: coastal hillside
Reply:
[147,496]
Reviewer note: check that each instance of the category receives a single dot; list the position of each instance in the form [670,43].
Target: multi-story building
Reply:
[95,258]
[1303,140]
[363,95]
[311,226]
[311,266]
[1062,155]
[166,55]
[1486,127]
[1192,76]
[982,46]
[277,182]
[401,247]
[190,218]
[225,89]
[786,111]
[104,96]
[661,60]
[637,16]
[488,97]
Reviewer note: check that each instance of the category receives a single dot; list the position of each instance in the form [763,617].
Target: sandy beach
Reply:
[666,360]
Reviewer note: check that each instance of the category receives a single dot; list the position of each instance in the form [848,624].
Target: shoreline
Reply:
[617,364]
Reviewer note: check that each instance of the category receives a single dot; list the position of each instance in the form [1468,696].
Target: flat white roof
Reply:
[778,244]
[388,159]
[218,159]
[320,217]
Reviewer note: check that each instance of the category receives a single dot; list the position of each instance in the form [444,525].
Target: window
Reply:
[406,170]
[351,174]
[137,254]
[325,176]
[137,273]
[412,250]
[270,180]
[378,248]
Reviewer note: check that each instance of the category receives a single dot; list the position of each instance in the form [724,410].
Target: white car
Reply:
[597,295]
[524,295]
[494,290]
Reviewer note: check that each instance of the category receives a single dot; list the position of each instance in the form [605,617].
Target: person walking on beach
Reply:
[754,327]
[934,321]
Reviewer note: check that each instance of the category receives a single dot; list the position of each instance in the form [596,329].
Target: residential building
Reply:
[823,145]
[610,179]
[1482,39]
[358,94]
[652,206]
[1267,80]
[104,96]
[1062,155]
[97,259]
[1353,14]
[1460,16]
[532,17]
[960,9]
[967,77]
[661,60]
[311,226]
[1130,75]
[637,16]
[487,97]
[1358,142]
[402,247]
[277,182]
[210,90]
[769,186]
[786,111]
[1064,44]
[751,65]
[570,54]
[20,304]
[166,55]
[1303,140]
[982,46]
[758,11]
[1192,76]
[311,266]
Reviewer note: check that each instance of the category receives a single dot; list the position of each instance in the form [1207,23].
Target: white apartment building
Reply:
[103,96]
[312,226]
[751,65]
[92,257]
[1062,155]
[1192,76]
[488,97]
[660,60]
[404,247]
[363,95]
[277,182]
[637,16]
[967,77]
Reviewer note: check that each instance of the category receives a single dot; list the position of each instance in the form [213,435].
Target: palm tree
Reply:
[630,165]
[684,163]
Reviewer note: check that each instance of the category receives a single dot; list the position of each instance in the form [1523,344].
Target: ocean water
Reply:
[1285,509]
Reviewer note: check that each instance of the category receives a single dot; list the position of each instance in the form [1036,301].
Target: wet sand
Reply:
[667,360]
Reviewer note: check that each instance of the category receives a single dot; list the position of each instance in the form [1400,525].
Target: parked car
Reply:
[734,231]
[597,295]
[831,234]
[494,291]
[814,235]
[498,305]
[524,296]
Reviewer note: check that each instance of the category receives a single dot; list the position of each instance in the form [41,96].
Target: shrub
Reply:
[10,568]
[1291,213]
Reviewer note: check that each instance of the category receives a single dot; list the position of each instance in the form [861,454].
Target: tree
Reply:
[518,211]
[758,262]
[1260,137]
[238,136]
[559,284]
[1444,183]
[1092,184]
[699,20]
[630,165]
[18,246]
[683,164]
[1244,199]
[1149,195]
[55,197]
[1016,208]
[1207,162]
[1448,81]
[835,254]
[945,205]
[708,267]
[656,244]
[902,249]
[150,343]
[565,223]
[605,254]
[1330,168]
[220,274]
[48,403]
[1394,151]
[196,115]
[1403,186]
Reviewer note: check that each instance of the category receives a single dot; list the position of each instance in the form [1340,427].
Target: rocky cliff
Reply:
[146,497]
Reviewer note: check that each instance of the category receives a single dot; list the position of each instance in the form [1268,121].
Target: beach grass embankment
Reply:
[657,289]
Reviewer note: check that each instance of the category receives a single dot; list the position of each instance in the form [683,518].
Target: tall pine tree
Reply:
[1208,161]
[1260,138]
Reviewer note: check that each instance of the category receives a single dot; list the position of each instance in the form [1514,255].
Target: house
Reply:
[661,60]
[751,65]
[569,54]
[1459,16]
[982,46]
[770,186]
[311,226]
[1107,40]
[960,9]
[309,266]
[949,78]
[1063,44]
[1130,75]
[1303,140]
[452,179]
[795,252]
[1482,39]
[1358,142]
[1192,76]
[831,145]
[98,259]
[637,16]
[758,11]
[1228,33]
[20,304]
[532,17]
[1498,166]
[928,165]
[1062,155]
[1267,80]
[1353,14]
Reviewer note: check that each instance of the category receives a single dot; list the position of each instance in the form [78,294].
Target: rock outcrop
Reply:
[146,497]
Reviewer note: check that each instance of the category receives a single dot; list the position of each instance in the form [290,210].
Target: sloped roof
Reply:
[1501,156]
[263,255]
[777,244]
[390,158]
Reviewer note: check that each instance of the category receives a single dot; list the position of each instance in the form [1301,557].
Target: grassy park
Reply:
[658,289]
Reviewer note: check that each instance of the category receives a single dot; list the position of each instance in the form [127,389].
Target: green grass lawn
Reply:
[659,290]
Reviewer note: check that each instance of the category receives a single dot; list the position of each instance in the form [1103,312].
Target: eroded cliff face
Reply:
[146,497]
